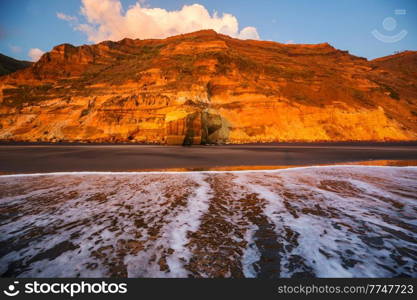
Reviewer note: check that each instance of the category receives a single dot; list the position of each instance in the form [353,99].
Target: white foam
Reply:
[251,255]
[360,208]
[361,234]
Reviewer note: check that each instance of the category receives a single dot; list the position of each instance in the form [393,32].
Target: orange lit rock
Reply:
[183,128]
[205,87]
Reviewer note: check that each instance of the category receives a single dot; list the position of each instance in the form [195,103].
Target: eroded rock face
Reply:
[183,128]
[205,87]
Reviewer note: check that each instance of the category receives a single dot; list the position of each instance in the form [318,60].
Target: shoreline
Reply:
[222,170]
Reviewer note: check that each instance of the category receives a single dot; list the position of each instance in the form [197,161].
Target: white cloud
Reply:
[249,33]
[107,20]
[65,17]
[35,54]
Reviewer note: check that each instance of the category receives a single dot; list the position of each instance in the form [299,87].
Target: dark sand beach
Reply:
[29,158]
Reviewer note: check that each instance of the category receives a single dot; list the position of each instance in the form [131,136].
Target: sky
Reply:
[366,28]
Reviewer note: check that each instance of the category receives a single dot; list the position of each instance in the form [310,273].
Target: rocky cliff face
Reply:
[9,65]
[205,87]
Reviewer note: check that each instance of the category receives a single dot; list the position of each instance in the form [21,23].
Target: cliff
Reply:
[206,87]
[9,65]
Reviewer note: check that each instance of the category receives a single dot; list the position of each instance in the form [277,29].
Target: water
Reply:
[334,221]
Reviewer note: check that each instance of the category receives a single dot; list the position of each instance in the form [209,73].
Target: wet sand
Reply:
[332,221]
[15,158]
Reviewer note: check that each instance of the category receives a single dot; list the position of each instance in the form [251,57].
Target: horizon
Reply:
[373,29]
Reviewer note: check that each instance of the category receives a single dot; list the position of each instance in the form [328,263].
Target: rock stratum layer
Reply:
[205,87]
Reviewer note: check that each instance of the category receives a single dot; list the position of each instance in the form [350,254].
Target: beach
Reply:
[329,221]
[234,211]
[43,158]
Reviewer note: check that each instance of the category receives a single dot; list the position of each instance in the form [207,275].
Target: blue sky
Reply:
[345,24]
